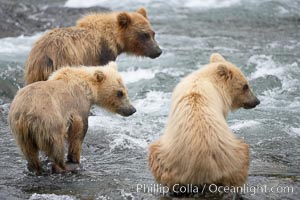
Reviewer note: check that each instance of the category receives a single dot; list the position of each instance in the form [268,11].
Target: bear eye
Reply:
[120,94]
[245,87]
[145,36]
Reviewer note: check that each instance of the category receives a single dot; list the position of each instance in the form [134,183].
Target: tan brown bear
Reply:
[43,114]
[95,40]
[197,146]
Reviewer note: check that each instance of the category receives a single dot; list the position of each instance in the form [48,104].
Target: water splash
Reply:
[36,196]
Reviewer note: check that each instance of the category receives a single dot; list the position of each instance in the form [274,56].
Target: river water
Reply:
[262,37]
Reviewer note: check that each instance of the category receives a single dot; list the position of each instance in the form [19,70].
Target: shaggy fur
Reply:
[95,40]
[45,113]
[197,146]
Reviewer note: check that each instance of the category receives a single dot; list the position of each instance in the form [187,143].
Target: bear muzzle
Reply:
[126,111]
[252,104]
[156,53]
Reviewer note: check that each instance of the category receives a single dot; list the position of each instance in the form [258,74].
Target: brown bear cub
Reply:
[95,40]
[197,146]
[43,114]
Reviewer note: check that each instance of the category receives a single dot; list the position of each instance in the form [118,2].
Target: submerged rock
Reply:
[269,82]
[7,89]
[4,109]
[11,79]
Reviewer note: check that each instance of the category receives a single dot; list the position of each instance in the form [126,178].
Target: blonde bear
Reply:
[197,146]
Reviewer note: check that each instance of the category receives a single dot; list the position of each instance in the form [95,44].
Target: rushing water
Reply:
[262,37]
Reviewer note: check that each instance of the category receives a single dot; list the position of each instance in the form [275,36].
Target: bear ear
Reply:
[143,12]
[124,19]
[113,65]
[216,57]
[99,76]
[224,72]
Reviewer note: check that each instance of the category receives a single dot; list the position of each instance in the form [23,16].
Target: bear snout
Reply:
[252,104]
[257,101]
[156,53]
[126,111]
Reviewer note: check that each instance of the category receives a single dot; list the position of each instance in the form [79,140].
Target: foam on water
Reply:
[295,104]
[264,66]
[286,73]
[155,101]
[102,198]
[36,196]
[291,45]
[172,5]
[123,141]
[19,44]
[208,4]
[173,72]
[244,124]
[105,118]
[82,4]
[294,131]
[126,195]
[106,3]
[130,134]
[16,47]
[134,75]
[271,102]
[269,140]
[9,46]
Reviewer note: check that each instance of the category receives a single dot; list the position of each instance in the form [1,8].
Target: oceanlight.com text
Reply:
[212,188]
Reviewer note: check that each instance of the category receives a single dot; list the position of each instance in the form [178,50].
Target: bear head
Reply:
[137,35]
[234,83]
[110,92]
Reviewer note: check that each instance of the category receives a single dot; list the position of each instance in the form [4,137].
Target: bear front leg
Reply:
[76,135]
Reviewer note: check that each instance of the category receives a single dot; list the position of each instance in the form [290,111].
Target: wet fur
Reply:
[197,146]
[45,114]
[95,40]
